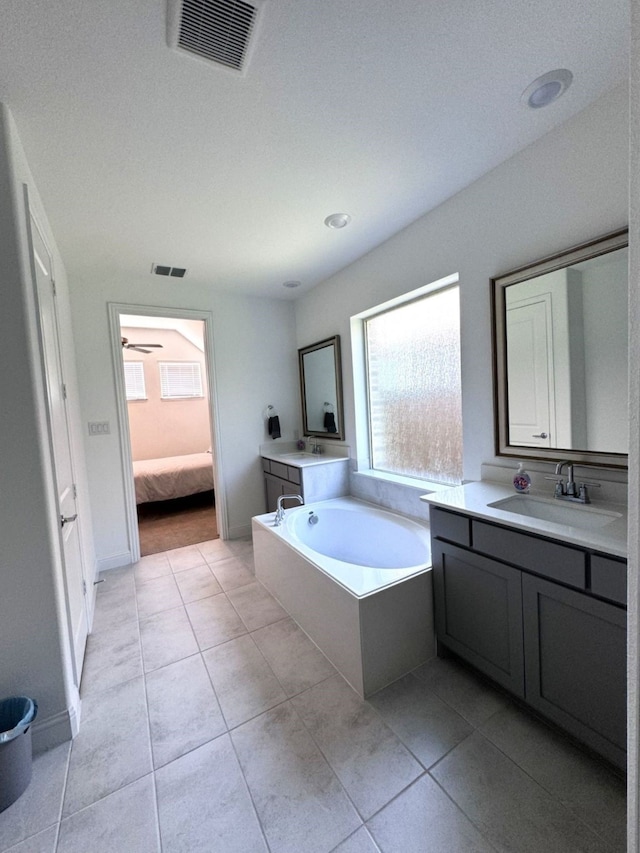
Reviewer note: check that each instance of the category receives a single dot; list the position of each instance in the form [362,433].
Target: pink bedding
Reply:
[172,477]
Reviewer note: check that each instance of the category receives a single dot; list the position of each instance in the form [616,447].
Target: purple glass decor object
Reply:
[521,480]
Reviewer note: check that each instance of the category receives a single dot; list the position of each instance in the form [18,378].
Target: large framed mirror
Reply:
[321,389]
[561,356]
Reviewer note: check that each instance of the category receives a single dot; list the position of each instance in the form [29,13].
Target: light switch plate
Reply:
[99,428]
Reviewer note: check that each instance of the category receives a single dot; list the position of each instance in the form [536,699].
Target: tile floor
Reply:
[210,722]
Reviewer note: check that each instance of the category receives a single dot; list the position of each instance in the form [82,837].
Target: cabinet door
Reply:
[575,664]
[274,487]
[273,490]
[478,610]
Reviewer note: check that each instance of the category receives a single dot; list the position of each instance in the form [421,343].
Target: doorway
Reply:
[167,410]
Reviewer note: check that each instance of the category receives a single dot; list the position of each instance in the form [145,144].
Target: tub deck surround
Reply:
[475,499]
[346,524]
[374,625]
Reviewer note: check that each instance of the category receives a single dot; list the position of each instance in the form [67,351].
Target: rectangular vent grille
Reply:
[218,30]
[175,272]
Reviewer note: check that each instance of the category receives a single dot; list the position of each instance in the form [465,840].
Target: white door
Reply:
[75,583]
[530,371]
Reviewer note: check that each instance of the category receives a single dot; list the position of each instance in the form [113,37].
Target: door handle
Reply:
[67,519]
[541,435]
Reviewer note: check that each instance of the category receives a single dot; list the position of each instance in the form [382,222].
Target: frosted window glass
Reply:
[415,410]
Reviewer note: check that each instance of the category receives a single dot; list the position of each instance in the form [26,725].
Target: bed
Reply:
[172,477]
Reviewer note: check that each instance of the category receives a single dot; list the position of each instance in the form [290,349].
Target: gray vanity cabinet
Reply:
[478,611]
[575,659]
[280,480]
[327,479]
[530,613]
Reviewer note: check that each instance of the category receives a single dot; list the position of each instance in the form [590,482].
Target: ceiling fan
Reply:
[138,347]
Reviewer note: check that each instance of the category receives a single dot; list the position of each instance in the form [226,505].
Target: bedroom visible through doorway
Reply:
[168,409]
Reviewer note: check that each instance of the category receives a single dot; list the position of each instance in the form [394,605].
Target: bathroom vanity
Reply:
[315,477]
[536,605]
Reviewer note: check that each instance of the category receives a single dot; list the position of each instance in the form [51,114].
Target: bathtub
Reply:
[357,581]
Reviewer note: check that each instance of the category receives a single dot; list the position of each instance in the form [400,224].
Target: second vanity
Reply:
[316,477]
[538,606]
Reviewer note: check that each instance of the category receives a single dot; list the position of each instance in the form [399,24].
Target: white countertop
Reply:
[473,499]
[301,459]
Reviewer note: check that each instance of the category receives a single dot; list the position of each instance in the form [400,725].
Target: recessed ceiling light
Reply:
[337,220]
[547,88]
[291,283]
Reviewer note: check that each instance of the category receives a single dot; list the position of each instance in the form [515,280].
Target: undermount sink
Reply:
[300,455]
[573,514]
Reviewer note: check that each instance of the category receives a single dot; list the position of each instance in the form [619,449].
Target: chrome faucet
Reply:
[570,487]
[279,516]
[570,491]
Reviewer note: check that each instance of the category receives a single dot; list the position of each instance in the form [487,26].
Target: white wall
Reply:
[160,427]
[255,364]
[566,188]
[34,643]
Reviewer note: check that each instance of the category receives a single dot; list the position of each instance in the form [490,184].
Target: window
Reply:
[180,379]
[412,352]
[134,380]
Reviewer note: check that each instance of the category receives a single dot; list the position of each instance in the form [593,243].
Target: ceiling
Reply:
[381,109]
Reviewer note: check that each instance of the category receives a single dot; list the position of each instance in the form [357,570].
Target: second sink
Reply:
[574,515]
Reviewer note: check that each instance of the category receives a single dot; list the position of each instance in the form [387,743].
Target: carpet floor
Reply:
[164,525]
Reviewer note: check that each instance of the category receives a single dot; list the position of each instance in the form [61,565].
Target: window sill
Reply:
[425,486]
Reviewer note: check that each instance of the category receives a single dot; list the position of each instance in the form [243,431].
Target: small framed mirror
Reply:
[321,389]
[561,356]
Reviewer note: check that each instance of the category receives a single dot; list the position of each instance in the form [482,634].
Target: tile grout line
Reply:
[463,812]
[249,791]
[149,738]
[58,823]
[553,797]
[557,799]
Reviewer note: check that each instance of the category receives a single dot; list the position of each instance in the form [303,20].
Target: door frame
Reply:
[126,461]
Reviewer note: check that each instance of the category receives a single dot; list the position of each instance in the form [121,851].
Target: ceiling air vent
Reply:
[175,272]
[217,30]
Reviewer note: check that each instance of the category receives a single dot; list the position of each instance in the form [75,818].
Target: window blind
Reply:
[134,380]
[180,379]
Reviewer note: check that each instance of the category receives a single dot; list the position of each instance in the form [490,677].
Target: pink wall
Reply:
[166,427]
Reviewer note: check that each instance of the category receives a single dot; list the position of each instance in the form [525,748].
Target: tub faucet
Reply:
[279,517]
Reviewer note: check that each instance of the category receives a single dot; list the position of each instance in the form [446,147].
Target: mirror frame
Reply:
[585,251]
[337,363]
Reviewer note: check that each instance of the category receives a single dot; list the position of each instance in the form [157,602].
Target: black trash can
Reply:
[16,715]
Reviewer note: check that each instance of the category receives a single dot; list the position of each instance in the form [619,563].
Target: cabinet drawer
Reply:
[609,578]
[279,470]
[266,465]
[451,526]
[293,474]
[558,562]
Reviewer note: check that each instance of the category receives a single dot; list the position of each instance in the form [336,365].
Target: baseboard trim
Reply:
[55,730]
[116,561]
[240,531]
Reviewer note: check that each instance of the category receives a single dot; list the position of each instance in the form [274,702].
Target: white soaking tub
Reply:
[357,580]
